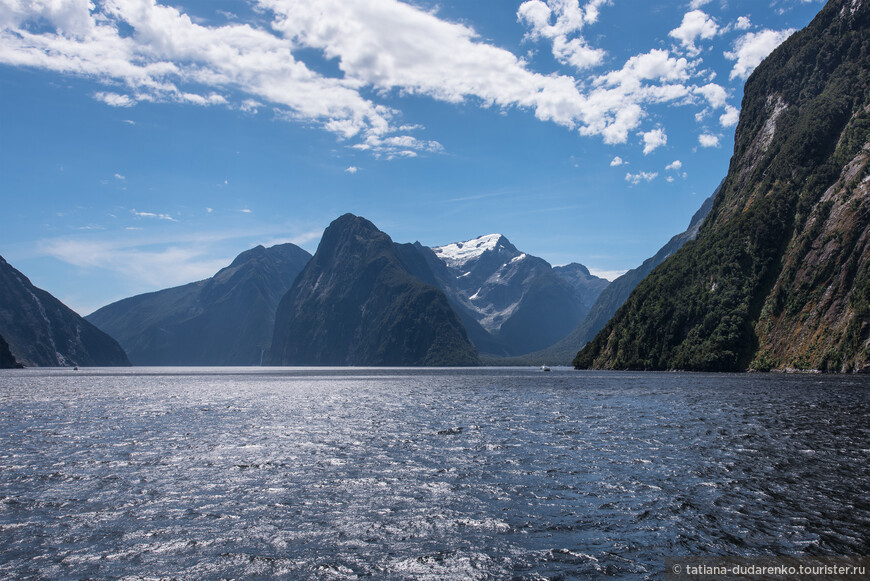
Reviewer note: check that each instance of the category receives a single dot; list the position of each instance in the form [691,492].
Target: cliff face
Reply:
[778,276]
[7,360]
[224,320]
[42,331]
[357,303]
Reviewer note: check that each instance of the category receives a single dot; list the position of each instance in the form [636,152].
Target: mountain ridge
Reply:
[41,331]
[222,320]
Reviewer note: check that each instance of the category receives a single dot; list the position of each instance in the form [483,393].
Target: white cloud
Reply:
[616,161]
[751,48]
[674,165]
[209,210]
[695,25]
[246,211]
[742,23]
[119,177]
[653,139]
[695,4]
[558,21]
[154,262]
[716,95]
[708,140]
[636,178]
[157,268]
[730,117]
[381,47]
[114,99]
[152,215]
[610,275]
[352,169]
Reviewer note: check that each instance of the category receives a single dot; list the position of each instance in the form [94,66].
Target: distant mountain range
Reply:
[357,303]
[520,301]
[779,275]
[223,320]
[507,302]
[41,331]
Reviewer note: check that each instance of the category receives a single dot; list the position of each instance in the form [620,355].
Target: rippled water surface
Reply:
[423,474]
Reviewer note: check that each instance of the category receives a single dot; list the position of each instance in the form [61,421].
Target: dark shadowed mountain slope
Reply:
[778,275]
[42,331]
[223,320]
[357,303]
[7,360]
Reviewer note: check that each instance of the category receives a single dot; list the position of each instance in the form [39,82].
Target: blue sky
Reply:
[144,144]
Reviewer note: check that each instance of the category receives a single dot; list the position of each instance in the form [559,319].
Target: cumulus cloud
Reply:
[695,4]
[616,161]
[696,25]
[381,48]
[730,117]
[636,178]
[751,48]
[708,140]
[716,95]
[742,23]
[674,165]
[653,139]
[559,21]
[351,170]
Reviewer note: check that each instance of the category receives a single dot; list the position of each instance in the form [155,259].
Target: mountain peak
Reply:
[458,254]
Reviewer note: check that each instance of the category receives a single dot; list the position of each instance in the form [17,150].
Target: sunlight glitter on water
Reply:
[422,474]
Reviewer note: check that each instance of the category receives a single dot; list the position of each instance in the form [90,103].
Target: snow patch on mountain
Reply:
[456,255]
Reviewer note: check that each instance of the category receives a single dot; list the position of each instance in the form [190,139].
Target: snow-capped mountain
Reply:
[516,298]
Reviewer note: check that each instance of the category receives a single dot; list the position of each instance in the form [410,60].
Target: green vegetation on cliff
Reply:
[777,277]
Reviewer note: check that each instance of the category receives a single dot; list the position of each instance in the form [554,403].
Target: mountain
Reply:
[519,301]
[223,320]
[615,294]
[358,303]
[7,360]
[588,286]
[778,276]
[42,331]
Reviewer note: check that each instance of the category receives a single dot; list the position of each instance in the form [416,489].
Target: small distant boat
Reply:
[544,368]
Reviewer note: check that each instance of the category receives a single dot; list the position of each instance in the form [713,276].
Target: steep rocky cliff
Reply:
[778,275]
[42,331]
[357,303]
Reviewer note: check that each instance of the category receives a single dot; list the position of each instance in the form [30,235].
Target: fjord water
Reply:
[421,473]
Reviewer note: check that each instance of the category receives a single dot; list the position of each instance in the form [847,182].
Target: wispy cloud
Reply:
[152,215]
[150,262]
[610,275]
[351,170]
[636,178]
